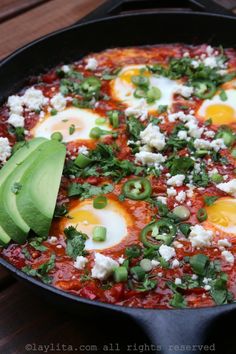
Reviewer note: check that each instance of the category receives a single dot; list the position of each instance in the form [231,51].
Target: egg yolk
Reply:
[83,220]
[128,74]
[222,212]
[220,114]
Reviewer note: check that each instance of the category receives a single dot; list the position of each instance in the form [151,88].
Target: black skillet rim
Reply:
[52,289]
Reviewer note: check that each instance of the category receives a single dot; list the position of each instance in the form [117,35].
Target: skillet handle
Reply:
[186,330]
[119,7]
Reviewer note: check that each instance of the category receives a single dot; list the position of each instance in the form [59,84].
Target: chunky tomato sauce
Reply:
[201,282]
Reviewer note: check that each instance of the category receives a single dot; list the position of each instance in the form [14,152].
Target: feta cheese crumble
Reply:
[34,99]
[228,256]
[176,180]
[16,120]
[152,136]
[228,187]
[167,252]
[138,111]
[58,102]
[80,262]
[5,149]
[149,158]
[224,243]
[92,64]
[200,237]
[103,266]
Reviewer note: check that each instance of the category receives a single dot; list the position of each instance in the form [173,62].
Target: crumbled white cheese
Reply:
[228,256]
[15,104]
[34,99]
[200,237]
[167,252]
[58,102]
[211,62]
[162,199]
[182,135]
[178,281]
[228,187]
[171,192]
[16,120]
[103,266]
[152,136]
[155,263]
[209,133]
[149,158]
[195,63]
[193,129]
[83,150]
[139,110]
[80,262]
[121,260]
[224,242]
[65,68]
[5,149]
[175,263]
[176,180]
[215,145]
[53,239]
[92,64]
[207,287]
[185,91]
[181,196]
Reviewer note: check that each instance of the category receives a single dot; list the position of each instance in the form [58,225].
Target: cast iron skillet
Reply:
[164,327]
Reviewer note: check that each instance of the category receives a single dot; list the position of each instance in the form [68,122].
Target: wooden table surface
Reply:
[24,317]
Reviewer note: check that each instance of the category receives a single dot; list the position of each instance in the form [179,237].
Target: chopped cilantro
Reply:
[75,242]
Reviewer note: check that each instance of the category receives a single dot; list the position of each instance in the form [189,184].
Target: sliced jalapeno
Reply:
[162,230]
[91,85]
[137,189]
[139,80]
[140,93]
[204,89]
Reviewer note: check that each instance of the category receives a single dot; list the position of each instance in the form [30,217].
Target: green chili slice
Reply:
[204,89]
[137,189]
[100,202]
[162,230]
[202,214]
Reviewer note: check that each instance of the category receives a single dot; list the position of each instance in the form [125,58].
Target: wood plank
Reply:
[26,318]
[41,20]
[11,8]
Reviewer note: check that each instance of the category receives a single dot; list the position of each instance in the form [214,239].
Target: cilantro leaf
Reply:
[75,242]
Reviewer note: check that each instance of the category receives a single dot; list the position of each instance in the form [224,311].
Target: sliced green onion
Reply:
[140,92]
[71,129]
[153,94]
[82,161]
[53,112]
[114,118]
[100,202]
[100,120]
[182,212]
[202,214]
[227,135]
[138,273]
[146,264]
[57,136]
[223,95]
[216,178]
[97,132]
[120,274]
[200,153]
[99,233]
[140,80]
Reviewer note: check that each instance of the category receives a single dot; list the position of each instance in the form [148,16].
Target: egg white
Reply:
[83,120]
[123,90]
[221,112]
[113,217]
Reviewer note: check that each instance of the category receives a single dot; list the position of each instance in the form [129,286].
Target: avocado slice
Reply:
[40,184]
[9,168]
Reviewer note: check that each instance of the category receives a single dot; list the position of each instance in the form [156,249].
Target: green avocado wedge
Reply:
[11,166]
[40,183]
